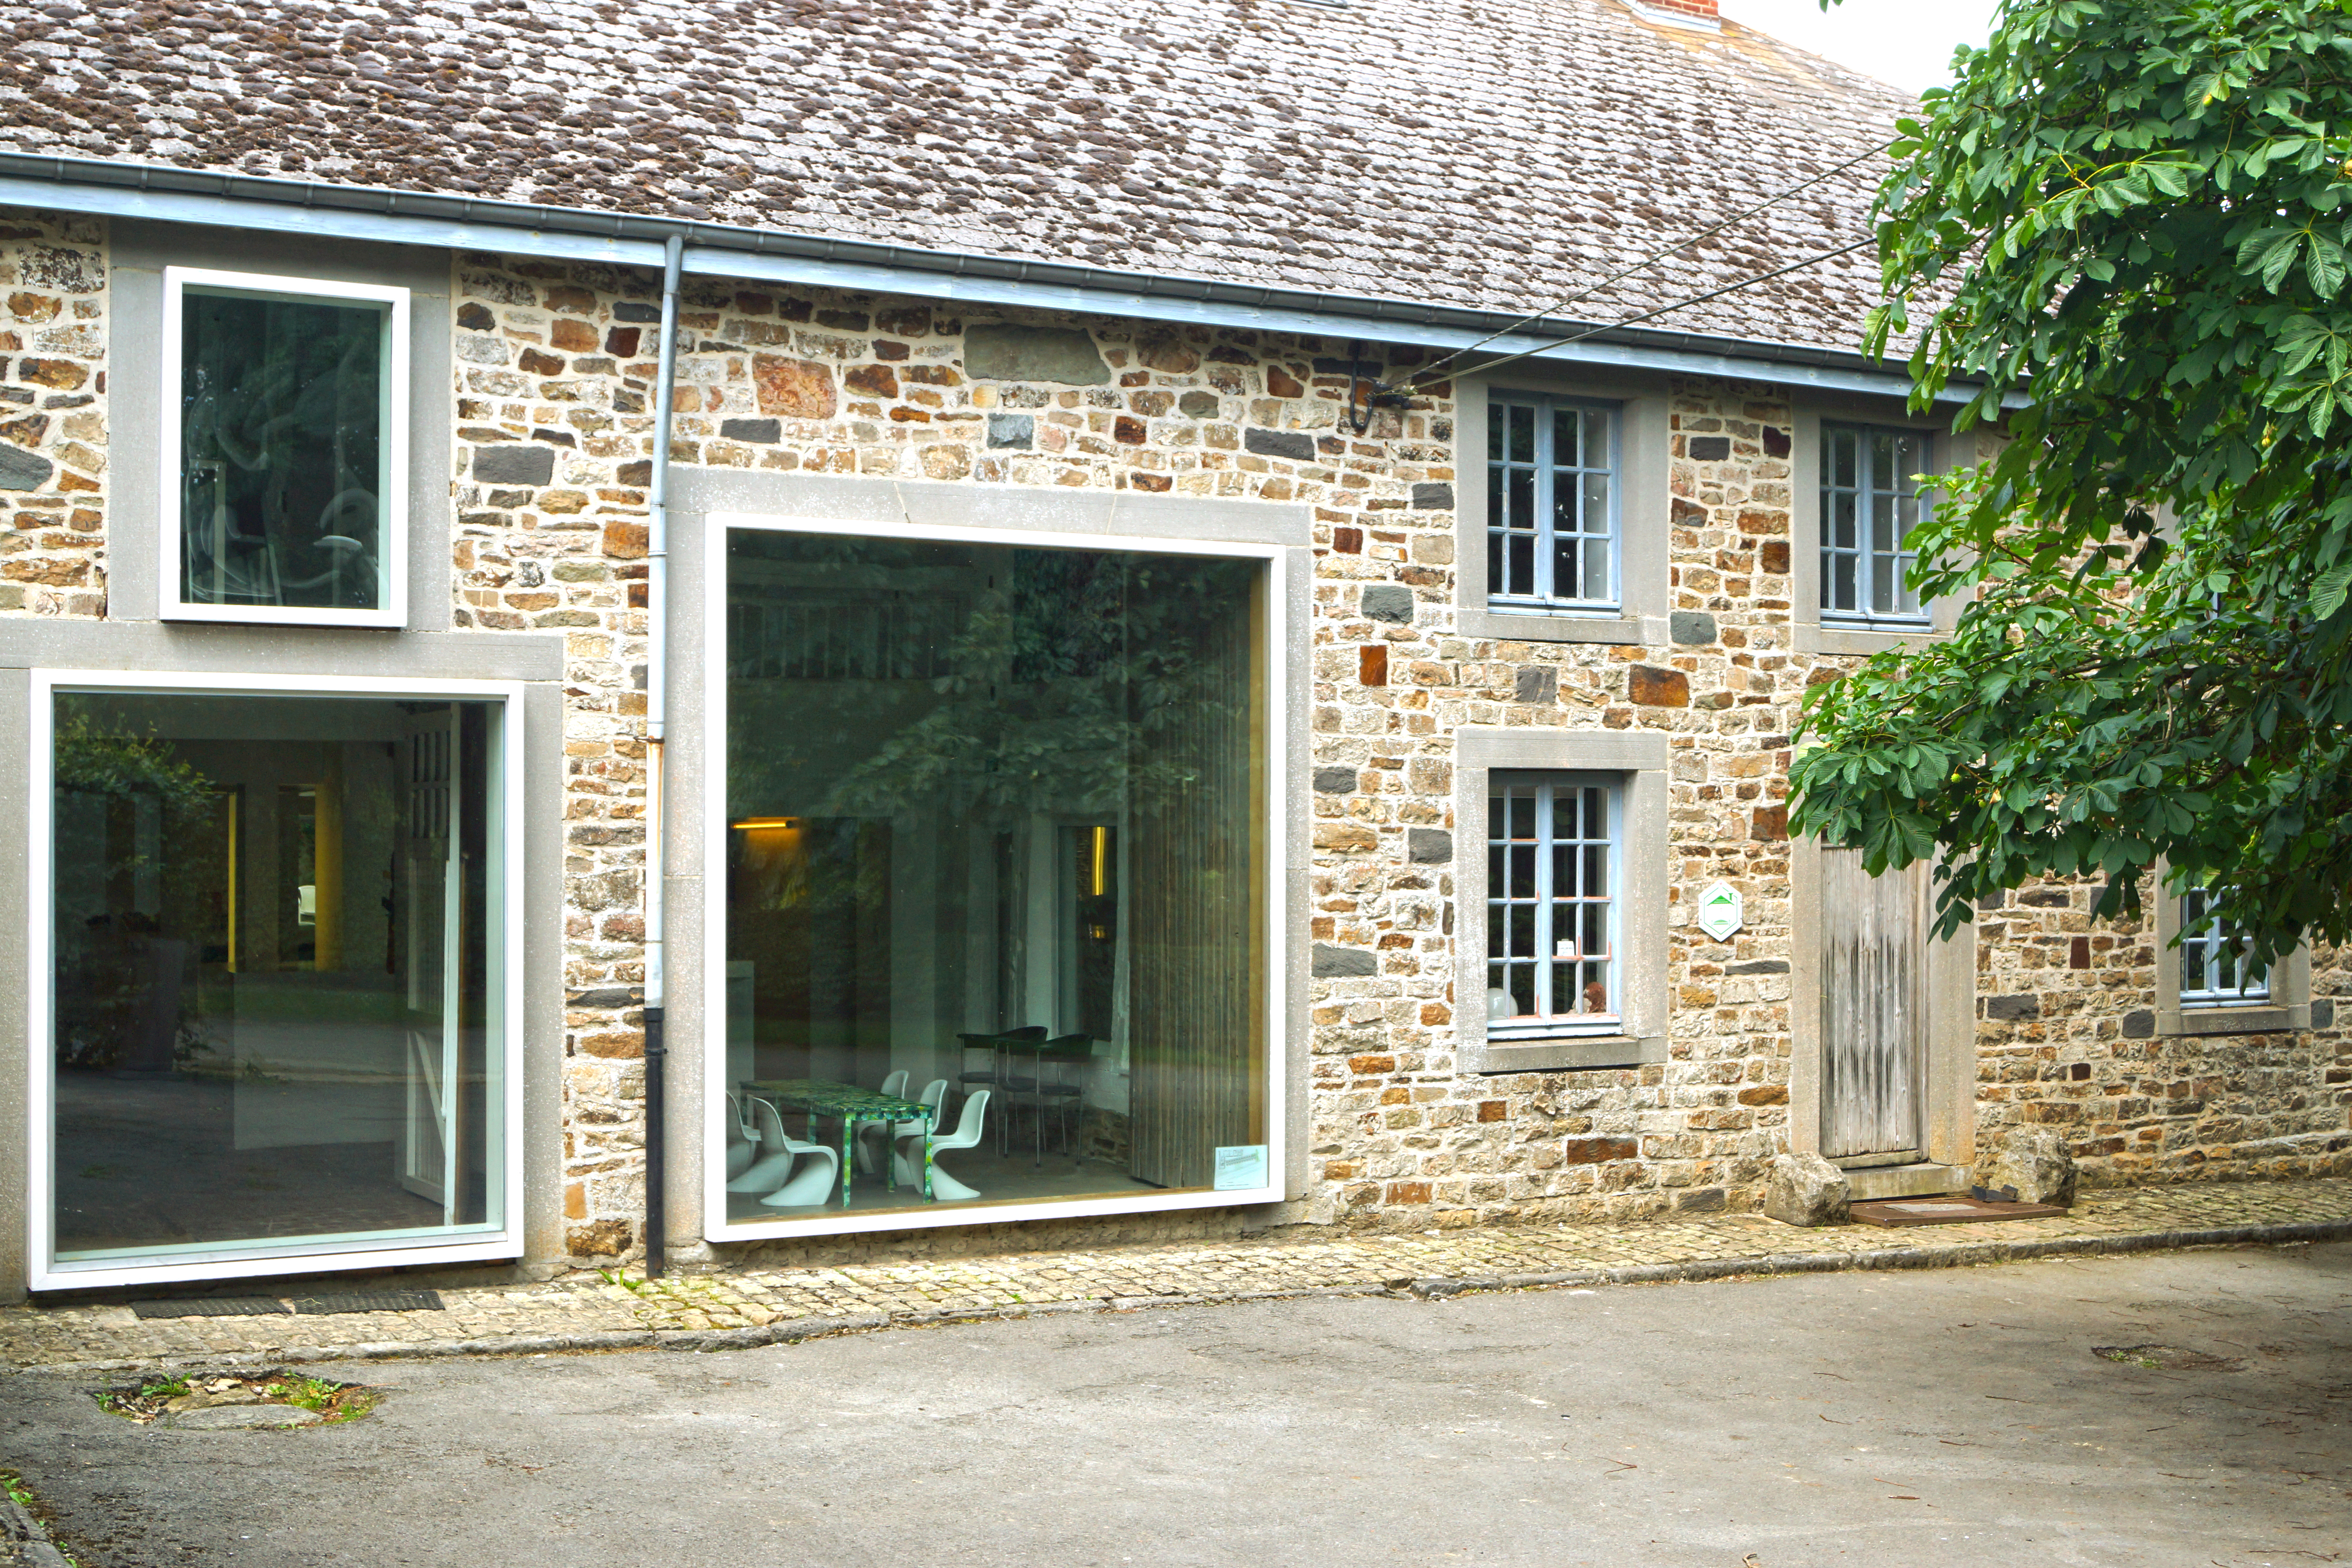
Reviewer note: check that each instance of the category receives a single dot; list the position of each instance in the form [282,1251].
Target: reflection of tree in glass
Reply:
[106,966]
[1062,676]
[281,439]
[108,762]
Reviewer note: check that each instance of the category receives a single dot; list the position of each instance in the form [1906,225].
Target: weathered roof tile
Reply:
[1496,153]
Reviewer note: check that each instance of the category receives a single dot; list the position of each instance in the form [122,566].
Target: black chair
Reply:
[998,1074]
[1067,1055]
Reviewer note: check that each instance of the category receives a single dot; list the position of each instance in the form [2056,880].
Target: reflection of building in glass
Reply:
[994,827]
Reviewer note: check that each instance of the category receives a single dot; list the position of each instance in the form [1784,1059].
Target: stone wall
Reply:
[1402,1138]
[53,297]
[553,426]
[2066,1037]
[555,374]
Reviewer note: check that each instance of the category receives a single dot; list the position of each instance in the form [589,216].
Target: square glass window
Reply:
[1871,501]
[1551,504]
[289,446]
[2214,969]
[278,975]
[995,861]
[1552,963]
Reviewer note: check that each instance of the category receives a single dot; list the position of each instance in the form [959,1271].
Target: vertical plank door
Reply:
[1874,1008]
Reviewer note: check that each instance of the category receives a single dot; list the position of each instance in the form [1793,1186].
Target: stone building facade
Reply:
[1413,699]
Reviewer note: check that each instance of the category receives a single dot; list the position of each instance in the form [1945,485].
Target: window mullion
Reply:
[1545,1003]
[1545,583]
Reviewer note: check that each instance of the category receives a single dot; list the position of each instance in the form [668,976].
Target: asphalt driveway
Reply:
[1913,1419]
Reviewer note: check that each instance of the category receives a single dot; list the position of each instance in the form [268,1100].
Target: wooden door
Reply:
[1874,1010]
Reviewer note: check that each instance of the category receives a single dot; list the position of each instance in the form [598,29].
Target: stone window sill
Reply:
[1561,627]
[2235,1020]
[1577,1053]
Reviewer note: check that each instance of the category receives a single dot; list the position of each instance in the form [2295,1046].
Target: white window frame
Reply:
[833,1220]
[1547,476]
[1919,618]
[392,563]
[1548,786]
[2204,937]
[210,1260]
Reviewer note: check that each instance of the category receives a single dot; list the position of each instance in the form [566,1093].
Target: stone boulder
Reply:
[2033,1166]
[1806,1189]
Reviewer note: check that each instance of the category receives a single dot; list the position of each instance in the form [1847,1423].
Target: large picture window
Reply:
[1871,501]
[276,1012]
[997,878]
[1551,504]
[1552,919]
[285,449]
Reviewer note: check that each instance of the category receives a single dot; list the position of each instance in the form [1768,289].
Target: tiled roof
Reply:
[1492,153]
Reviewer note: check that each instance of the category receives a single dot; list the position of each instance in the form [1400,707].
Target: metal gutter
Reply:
[164,193]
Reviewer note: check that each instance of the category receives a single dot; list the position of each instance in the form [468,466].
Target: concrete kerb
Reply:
[797,1330]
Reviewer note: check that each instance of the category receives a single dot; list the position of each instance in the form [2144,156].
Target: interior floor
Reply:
[1012,1177]
[153,1164]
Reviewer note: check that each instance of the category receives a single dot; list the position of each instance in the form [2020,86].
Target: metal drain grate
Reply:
[211,1307]
[377,1302]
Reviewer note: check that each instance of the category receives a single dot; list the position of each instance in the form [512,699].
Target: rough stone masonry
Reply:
[552,412]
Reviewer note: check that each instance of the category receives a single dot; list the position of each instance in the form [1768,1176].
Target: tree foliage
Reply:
[2124,233]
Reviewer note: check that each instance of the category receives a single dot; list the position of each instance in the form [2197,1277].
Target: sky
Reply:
[1906,42]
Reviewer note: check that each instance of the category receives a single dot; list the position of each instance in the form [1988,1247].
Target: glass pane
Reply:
[1519,569]
[1844,465]
[1523,871]
[994,863]
[1523,816]
[1523,499]
[277,1010]
[1842,593]
[1593,996]
[1596,503]
[1596,871]
[1566,571]
[1523,930]
[1596,569]
[1523,434]
[1842,522]
[1523,989]
[283,458]
[1567,450]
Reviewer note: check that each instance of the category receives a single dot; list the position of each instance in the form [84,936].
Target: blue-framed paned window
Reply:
[1871,501]
[1552,533]
[1552,854]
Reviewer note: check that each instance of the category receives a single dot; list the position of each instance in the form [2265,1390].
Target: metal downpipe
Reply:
[656,725]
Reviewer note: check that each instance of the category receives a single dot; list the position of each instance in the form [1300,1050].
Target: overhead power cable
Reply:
[1652,258]
[1408,383]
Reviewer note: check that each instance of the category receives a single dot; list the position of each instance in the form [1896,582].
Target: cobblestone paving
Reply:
[753,1306]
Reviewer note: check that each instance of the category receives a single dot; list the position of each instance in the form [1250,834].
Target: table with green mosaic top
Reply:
[823,1096]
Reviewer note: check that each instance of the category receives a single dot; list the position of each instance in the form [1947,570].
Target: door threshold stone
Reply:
[1923,1180]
